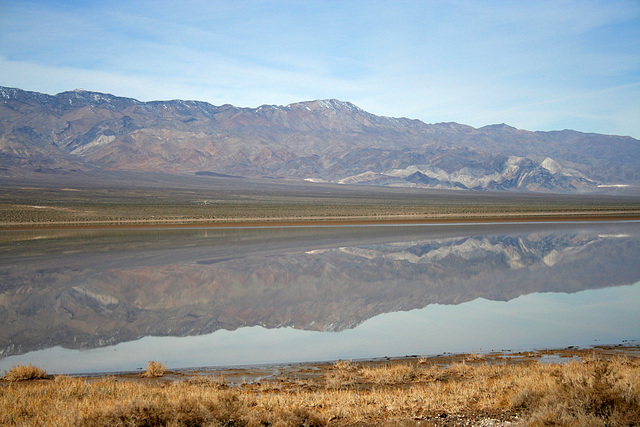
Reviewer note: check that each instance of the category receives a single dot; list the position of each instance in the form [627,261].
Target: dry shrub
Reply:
[592,392]
[345,365]
[155,369]
[24,373]
[473,357]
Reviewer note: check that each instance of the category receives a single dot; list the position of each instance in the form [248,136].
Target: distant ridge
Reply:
[328,140]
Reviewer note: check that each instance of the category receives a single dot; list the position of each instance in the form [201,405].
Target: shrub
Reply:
[24,373]
[345,365]
[473,357]
[155,369]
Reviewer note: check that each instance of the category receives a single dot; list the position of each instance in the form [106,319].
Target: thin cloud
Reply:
[531,64]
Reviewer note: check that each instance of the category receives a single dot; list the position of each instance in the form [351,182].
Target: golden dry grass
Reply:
[588,392]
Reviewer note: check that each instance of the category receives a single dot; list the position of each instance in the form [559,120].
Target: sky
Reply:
[535,65]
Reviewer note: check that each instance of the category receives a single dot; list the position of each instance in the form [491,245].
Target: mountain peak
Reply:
[500,127]
[22,95]
[80,97]
[326,104]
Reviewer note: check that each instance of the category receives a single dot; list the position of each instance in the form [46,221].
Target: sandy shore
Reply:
[316,371]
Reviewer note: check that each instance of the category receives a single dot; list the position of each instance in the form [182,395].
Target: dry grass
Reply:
[345,365]
[473,357]
[392,374]
[341,375]
[591,392]
[154,370]
[24,373]
[208,381]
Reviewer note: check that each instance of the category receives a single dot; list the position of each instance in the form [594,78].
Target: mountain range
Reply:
[86,133]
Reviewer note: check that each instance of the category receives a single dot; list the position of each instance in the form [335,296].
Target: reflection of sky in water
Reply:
[543,320]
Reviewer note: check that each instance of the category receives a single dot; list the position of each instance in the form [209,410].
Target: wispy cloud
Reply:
[534,65]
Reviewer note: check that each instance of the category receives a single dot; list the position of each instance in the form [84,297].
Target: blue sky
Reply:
[538,65]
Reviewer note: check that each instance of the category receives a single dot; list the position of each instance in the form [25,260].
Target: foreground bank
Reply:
[598,386]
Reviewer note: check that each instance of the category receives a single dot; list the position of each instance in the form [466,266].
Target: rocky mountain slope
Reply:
[325,140]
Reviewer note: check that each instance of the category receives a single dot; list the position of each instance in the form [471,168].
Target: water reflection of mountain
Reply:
[314,279]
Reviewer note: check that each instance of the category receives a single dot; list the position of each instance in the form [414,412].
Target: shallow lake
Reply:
[112,300]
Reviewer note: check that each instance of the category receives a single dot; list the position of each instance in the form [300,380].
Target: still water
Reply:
[111,300]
